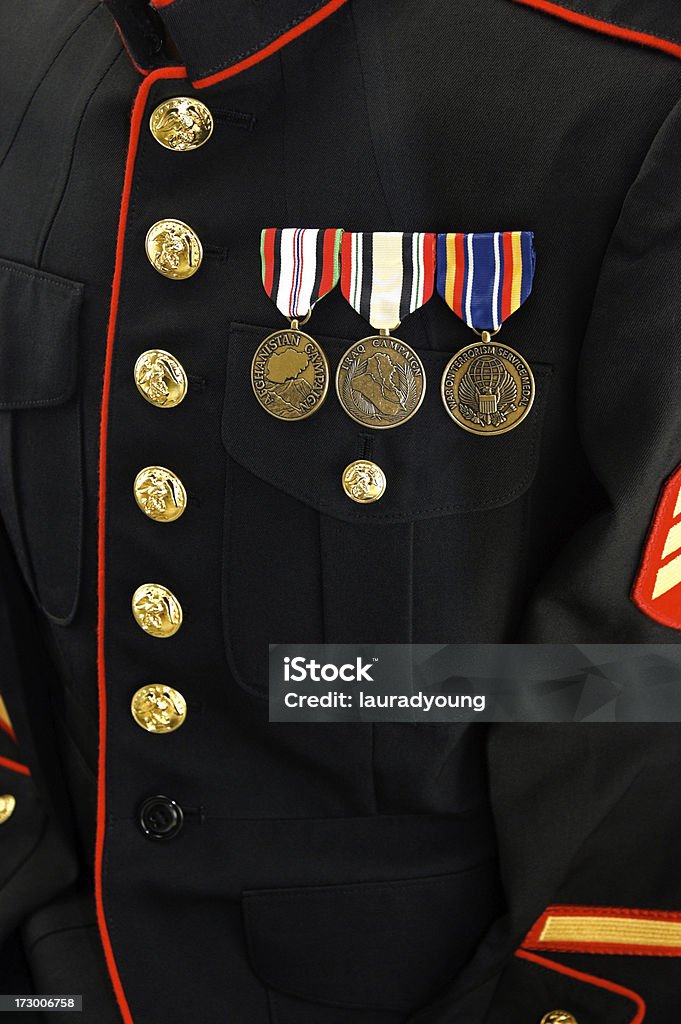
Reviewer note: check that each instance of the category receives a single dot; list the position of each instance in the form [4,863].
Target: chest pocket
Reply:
[303,563]
[40,432]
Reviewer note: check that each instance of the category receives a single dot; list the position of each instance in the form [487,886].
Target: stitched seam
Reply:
[59,931]
[399,516]
[40,81]
[617,24]
[75,286]
[330,891]
[69,168]
[24,403]
[235,59]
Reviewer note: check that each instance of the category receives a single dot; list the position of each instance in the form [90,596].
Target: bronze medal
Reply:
[290,374]
[487,388]
[380,382]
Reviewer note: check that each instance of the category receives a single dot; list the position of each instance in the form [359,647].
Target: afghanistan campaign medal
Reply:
[385,276]
[289,373]
[487,388]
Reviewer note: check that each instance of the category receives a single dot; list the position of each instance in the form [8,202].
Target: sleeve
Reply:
[36,858]
[619,576]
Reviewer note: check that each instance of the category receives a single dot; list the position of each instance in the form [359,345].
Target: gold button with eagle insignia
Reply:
[364,481]
[160,494]
[181,124]
[160,378]
[7,805]
[174,249]
[158,708]
[558,1017]
[157,611]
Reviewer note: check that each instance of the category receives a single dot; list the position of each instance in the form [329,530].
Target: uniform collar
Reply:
[215,38]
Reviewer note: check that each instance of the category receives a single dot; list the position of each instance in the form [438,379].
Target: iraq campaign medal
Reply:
[289,373]
[385,276]
[487,388]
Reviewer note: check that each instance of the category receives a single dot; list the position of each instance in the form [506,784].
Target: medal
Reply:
[385,276]
[487,388]
[289,373]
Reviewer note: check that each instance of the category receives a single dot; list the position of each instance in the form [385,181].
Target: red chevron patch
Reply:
[657,590]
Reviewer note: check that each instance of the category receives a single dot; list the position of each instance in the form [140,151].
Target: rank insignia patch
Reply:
[657,590]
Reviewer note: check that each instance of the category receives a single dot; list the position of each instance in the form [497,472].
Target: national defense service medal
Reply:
[385,276]
[290,372]
[380,381]
[487,388]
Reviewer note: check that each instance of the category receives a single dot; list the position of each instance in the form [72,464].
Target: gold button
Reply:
[181,124]
[160,494]
[174,249]
[7,805]
[158,708]
[558,1017]
[364,481]
[156,609]
[160,378]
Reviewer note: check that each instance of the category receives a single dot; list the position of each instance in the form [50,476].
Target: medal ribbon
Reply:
[386,275]
[485,277]
[299,266]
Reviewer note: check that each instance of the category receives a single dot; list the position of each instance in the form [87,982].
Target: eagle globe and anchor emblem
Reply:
[488,388]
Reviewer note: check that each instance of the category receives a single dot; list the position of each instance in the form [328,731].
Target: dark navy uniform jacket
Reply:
[331,874]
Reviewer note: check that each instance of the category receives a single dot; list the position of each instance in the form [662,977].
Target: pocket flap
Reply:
[432,467]
[38,329]
[376,945]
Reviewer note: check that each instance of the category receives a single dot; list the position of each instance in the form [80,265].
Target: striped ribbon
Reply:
[299,266]
[485,277]
[385,275]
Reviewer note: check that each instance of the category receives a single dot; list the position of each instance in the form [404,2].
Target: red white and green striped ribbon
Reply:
[299,266]
[386,275]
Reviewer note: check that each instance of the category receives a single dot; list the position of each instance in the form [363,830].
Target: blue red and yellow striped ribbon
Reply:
[484,277]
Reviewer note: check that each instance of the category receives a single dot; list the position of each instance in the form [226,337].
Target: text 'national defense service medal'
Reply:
[487,388]
[290,372]
[385,276]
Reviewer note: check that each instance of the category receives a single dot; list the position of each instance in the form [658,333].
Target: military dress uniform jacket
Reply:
[236,870]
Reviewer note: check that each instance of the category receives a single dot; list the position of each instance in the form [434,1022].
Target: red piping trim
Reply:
[298,30]
[136,123]
[589,979]
[607,28]
[14,766]
[6,727]
[534,940]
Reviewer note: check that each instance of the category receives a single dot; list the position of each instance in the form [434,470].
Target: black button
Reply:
[160,817]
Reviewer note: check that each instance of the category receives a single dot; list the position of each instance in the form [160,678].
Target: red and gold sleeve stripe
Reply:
[606,930]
